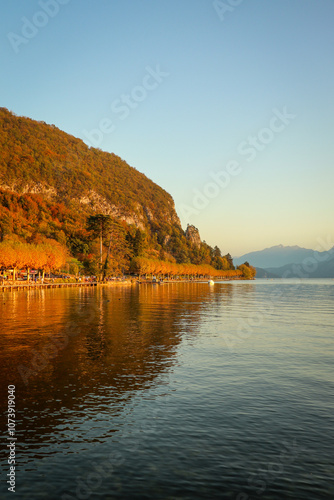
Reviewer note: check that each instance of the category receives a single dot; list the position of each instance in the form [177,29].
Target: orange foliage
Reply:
[142,265]
[18,255]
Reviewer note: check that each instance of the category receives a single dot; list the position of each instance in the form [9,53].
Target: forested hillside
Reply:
[51,183]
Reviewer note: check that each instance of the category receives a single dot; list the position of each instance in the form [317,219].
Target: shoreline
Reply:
[38,286]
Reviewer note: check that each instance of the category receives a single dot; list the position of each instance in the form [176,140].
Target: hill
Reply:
[39,158]
[52,182]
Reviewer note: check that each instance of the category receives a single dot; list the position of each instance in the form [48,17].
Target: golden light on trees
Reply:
[17,255]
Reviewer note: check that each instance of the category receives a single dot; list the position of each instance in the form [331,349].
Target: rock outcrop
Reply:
[192,235]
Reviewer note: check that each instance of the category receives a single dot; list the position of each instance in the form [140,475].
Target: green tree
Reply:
[229,260]
[98,225]
[118,249]
[138,243]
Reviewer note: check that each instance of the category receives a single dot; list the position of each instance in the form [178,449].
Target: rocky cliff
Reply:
[192,235]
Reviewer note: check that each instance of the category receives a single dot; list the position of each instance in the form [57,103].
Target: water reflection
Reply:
[143,375]
[85,350]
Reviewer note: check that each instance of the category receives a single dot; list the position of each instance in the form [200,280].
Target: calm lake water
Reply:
[180,391]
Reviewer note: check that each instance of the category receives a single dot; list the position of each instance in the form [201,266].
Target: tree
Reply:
[217,252]
[229,260]
[98,225]
[6,225]
[74,266]
[248,271]
[138,243]
[55,256]
[118,248]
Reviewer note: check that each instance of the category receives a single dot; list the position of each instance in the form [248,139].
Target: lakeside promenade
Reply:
[37,286]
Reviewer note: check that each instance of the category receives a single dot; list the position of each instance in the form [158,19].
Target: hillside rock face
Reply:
[192,235]
[48,192]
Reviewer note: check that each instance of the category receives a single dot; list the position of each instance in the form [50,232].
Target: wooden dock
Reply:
[39,286]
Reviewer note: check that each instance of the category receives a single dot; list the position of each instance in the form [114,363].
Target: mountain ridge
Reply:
[279,255]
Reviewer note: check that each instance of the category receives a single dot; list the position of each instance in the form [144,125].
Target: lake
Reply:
[180,391]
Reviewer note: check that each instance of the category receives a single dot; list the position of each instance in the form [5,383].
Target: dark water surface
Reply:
[177,391]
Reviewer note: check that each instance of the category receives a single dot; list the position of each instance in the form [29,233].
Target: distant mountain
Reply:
[308,269]
[291,262]
[278,256]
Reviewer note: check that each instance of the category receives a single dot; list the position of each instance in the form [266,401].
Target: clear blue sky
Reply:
[183,89]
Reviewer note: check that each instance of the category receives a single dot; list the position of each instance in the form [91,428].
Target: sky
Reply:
[226,104]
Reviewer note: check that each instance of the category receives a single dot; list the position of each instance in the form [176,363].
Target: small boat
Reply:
[211,282]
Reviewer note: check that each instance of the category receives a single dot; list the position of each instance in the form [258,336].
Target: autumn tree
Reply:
[248,272]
